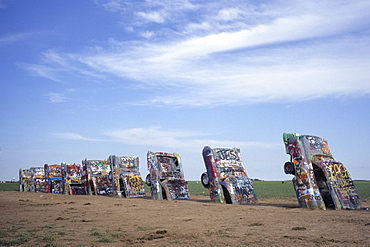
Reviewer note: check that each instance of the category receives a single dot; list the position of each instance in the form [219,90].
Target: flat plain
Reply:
[39,219]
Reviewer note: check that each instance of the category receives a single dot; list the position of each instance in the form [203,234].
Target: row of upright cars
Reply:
[319,180]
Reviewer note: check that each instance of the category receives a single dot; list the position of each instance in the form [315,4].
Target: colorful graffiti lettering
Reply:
[340,185]
[75,179]
[226,178]
[98,179]
[54,179]
[229,155]
[127,181]
[24,180]
[38,183]
[166,177]
[319,180]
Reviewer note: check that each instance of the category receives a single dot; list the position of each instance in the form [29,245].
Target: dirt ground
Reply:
[38,219]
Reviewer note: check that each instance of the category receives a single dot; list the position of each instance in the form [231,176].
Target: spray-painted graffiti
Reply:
[54,179]
[99,177]
[74,179]
[38,183]
[319,180]
[339,185]
[226,178]
[176,189]
[127,181]
[166,176]
[24,180]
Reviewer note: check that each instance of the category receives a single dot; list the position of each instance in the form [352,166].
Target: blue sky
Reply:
[87,79]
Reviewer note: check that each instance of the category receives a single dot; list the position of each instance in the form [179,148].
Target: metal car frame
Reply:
[54,179]
[38,181]
[25,180]
[166,177]
[226,178]
[319,180]
[98,177]
[74,179]
[127,181]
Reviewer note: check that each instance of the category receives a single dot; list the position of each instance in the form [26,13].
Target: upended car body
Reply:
[25,180]
[38,182]
[166,176]
[54,179]
[226,178]
[98,178]
[319,180]
[127,181]
[74,179]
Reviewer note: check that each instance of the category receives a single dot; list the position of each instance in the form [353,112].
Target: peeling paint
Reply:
[226,178]
[319,180]
[166,176]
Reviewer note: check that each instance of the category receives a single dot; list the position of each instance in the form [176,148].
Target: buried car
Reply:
[74,179]
[97,177]
[54,179]
[166,177]
[319,180]
[127,181]
[25,180]
[226,178]
[38,182]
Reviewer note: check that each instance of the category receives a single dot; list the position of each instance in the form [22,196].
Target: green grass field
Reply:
[264,189]
[9,186]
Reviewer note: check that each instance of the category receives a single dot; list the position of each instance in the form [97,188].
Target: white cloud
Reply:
[154,136]
[229,14]
[41,70]
[151,17]
[114,6]
[74,136]
[56,97]
[171,139]
[7,39]
[147,34]
[296,51]
[60,97]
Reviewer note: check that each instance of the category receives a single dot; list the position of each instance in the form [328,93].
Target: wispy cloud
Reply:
[151,16]
[55,65]
[60,97]
[41,70]
[155,136]
[56,97]
[236,54]
[12,38]
[74,136]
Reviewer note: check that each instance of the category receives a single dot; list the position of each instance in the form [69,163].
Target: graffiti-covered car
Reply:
[166,176]
[127,181]
[54,179]
[98,177]
[25,180]
[38,183]
[319,180]
[226,178]
[74,179]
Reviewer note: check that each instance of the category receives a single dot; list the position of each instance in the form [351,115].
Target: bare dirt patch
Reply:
[38,219]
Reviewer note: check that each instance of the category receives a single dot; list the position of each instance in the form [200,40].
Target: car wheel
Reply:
[289,168]
[122,188]
[226,195]
[205,180]
[164,194]
[147,180]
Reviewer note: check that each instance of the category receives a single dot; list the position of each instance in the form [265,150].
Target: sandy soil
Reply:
[37,219]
